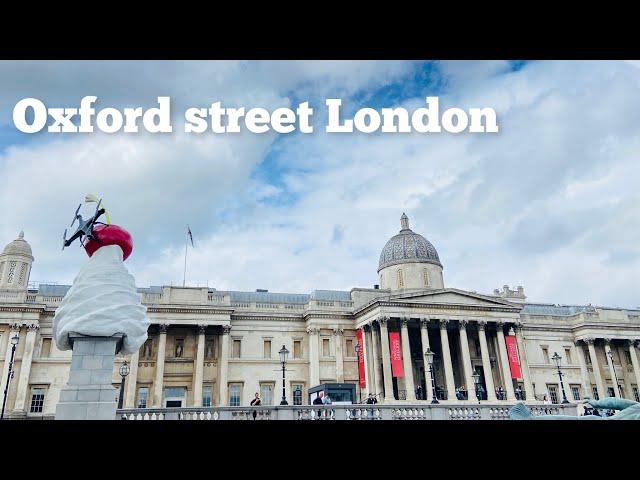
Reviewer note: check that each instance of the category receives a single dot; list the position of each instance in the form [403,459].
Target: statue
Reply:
[627,410]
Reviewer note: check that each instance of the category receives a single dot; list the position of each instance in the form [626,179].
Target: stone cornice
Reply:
[22,308]
[328,315]
[437,306]
[189,309]
[266,318]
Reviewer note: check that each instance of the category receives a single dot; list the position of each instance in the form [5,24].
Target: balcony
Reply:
[341,412]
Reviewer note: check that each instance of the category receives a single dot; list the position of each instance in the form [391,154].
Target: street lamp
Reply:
[284,353]
[615,374]
[429,355]
[124,371]
[14,342]
[476,384]
[557,359]
[357,348]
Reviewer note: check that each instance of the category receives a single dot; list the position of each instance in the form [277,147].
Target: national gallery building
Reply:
[208,347]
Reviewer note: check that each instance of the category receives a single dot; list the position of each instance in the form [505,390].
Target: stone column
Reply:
[338,334]
[524,364]
[158,383]
[365,357]
[377,376]
[406,361]
[446,359]
[25,369]
[199,368]
[224,365]
[466,360]
[14,330]
[586,381]
[386,360]
[486,362]
[634,362]
[626,376]
[612,368]
[132,381]
[504,361]
[314,362]
[602,393]
[424,336]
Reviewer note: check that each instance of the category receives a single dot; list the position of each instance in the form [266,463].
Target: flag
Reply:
[190,235]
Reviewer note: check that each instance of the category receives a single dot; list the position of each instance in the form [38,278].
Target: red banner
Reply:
[395,348]
[512,354]
[363,380]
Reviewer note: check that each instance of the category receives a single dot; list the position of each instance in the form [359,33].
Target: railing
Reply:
[342,412]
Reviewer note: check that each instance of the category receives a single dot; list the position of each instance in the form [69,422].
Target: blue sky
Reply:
[550,203]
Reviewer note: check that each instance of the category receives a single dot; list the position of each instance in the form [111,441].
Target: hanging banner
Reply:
[395,350]
[512,354]
[361,376]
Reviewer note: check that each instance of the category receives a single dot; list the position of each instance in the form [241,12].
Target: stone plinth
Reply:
[89,394]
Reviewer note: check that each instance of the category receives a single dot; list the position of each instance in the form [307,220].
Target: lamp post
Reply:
[124,371]
[476,384]
[615,374]
[357,348]
[14,342]
[429,356]
[284,353]
[557,359]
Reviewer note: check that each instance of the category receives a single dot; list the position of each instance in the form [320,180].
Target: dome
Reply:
[18,247]
[408,247]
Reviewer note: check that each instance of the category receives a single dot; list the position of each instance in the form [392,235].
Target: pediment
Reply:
[451,296]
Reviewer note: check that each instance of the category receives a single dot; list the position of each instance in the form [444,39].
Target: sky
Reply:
[551,202]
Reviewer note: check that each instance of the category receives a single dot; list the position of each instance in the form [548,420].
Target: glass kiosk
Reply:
[339,393]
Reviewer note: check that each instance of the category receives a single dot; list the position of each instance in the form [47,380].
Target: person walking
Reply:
[256,402]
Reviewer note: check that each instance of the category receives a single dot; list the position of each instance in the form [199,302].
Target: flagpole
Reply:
[186,243]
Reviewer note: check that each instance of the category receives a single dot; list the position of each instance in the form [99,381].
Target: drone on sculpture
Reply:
[85,227]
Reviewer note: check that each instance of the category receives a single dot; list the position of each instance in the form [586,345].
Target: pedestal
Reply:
[89,394]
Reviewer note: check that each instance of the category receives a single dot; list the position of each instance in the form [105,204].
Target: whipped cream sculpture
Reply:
[103,300]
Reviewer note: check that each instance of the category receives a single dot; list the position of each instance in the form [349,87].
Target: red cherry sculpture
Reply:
[110,235]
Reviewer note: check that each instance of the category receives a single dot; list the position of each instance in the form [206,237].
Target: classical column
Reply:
[314,363]
[446,359]
[131,381]
[25,369]
[602,393]
[634,362]
[365,357]
[14,330]
[406,361]
[386,360]
[504,361]
[486,362]
[626,377]
[586,381]
[199,370]
[338,333]
[524,364]
[466,359]
[377,387]
[612,368]
[424,336]
[224,365]
[158,382]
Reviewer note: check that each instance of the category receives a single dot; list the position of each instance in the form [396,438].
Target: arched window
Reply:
[400,278]
[425,277]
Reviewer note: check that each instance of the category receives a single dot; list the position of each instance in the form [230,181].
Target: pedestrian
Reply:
[372,399]
[256,402]
[545,400]
[326,400]
[318,399]
[419,393]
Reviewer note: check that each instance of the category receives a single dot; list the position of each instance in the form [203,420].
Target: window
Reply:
[627,357]
[209,349]
[143,394]
[350,351]
[45,350]
[325,347]
[179,347]
[425,277]
[206,397]
[297,349]
[236,349]
[400,278]
[266,393]
[545,354]
[12,271]
[266,349]
[235,392]
[567,356]
[636,394]
[553,393]
[147,348]
[297,388]
[594,390]
[610,392]
[575,391]
[37,399]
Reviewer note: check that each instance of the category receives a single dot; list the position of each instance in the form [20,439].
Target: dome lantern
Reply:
[15,264]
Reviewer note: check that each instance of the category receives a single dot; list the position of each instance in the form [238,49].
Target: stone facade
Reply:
[216,347]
